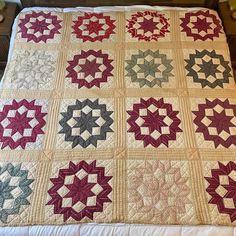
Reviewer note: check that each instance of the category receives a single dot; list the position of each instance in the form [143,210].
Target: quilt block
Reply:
[124,115]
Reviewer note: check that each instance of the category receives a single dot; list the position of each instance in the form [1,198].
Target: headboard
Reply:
[93,3]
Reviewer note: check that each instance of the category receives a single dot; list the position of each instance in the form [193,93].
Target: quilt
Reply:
[118,116]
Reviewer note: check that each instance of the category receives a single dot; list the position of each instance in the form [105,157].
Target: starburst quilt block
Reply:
[201,25]
[208,69]
[220,180]
[40,27]
[90,69]
[147,26]
[93,201]
[149,69]
[155,189]
[86,123]
[93,27]
[215,122]
[17,184]
[22,123]
[154,123]
[32,70]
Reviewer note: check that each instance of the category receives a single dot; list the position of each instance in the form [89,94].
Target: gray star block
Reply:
[85,122]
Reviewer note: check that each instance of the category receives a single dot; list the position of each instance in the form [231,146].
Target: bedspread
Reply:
[126,116]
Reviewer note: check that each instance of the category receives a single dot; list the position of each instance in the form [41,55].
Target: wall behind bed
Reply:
[94,3]
[15,1]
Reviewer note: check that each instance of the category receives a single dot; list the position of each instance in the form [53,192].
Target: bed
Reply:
[112,118]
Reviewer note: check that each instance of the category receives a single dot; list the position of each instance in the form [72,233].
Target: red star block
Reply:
[20,122]
[220,121]
[201,25]
[80,190]
[97,31]
[154,122]
[89,68]
[224,170]
[37,25]
[94,27]
[149,121]
[147,21]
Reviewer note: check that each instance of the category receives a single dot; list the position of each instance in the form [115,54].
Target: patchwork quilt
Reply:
[126,116]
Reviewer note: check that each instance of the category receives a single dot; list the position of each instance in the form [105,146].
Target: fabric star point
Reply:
[221,121]
[202,25]
[148,25]
[19,123]
[80,190]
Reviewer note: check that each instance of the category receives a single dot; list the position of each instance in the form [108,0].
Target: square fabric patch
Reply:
[159,192]
[149,69]
[22,123]
[153,123]
[92,69]
[86,123]
[39,27]
[208,69]
[93,27]
[215,122]
[32,70]
[93,201]
[17,184]
[147,26]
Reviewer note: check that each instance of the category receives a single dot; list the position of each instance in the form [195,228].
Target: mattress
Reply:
[225,86]
[117,230]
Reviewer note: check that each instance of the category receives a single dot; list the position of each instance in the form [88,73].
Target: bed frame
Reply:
[93,3]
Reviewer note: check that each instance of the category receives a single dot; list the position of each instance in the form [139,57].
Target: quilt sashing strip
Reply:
[118,117]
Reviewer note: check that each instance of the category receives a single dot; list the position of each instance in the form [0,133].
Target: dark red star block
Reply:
[208,26]
[35,26]
[148,25]
[80,190]
[159,120]
[93,27]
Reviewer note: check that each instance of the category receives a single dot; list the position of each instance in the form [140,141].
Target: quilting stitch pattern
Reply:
[155,189]
[32,70]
